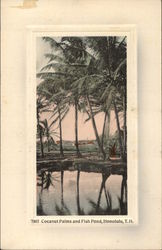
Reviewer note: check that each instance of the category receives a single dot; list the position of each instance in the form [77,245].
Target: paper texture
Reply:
[17,16]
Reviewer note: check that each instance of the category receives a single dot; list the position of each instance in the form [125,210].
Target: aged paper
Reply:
[22,23]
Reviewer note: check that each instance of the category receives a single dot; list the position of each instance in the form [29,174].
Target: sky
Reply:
[85,130]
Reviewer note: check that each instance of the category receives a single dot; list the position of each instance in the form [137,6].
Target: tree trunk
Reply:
[107,133]
[103,130]
[76,129]
[40,135]
[41,142]
[60,129]
[119,131]
[95,129]
[48,143]
[107,129]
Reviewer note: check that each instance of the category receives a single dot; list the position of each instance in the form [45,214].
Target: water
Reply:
[81,193]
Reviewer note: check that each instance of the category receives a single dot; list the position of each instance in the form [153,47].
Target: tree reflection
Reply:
[102,187]
[78,200]
[79,210]
[121,210]
[123,200]
[46,179]
[62,189]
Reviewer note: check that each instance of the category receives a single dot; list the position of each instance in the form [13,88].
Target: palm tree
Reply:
[105,133]
[51,89]
[48,133]
[87,86]
[67,59]
[40,105]
[95,128]
[109,58]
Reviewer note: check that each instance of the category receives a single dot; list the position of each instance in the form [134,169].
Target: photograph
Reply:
[81,116]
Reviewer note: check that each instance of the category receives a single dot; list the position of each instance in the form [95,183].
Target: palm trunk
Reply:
[40,135]
[48,143]
[103,131]
[41,142]
[60,129]
[119,131]
[107,132]
[76,129]
[95,129]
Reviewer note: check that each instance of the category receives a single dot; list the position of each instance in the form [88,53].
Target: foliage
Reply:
[89,73]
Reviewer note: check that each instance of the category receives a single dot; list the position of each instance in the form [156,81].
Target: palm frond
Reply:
[53,57]
[51,75]
[55,111]
[118,68]
[54,45]
[44,123]
[63,112]
[94,114]
[64,115]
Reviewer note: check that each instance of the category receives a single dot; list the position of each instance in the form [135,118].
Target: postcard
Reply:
[81,124]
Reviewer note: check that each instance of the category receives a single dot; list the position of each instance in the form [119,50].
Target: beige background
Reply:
[16,234]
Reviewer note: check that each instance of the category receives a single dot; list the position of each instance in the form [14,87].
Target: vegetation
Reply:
[88,73]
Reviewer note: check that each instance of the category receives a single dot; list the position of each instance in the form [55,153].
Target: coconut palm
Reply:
[107,58]
[68,60]
[51,89]
[48,132]
[110,60]
[40,105]
[87,87]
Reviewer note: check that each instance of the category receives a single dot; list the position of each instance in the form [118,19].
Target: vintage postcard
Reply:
[72,176]
[83,123]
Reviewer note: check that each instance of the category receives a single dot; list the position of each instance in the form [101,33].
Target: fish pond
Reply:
[81,189]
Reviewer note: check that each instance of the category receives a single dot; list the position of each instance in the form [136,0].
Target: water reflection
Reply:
[81,193]
[123,199]
[62,189]
[104,178]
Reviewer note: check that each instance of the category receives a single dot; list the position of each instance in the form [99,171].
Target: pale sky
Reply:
[85,130]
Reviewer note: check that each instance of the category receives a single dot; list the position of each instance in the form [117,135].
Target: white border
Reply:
[132,118]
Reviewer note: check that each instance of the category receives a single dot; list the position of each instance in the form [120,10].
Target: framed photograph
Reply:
[82,118]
